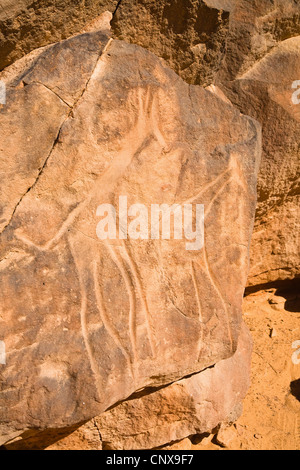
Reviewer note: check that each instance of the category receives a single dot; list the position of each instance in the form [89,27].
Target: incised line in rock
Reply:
[118,260]
[84,328]
[106,320]
[139,284]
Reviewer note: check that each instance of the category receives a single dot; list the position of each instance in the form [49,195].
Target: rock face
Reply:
[259,71]
[81,319]
[188,34]
[26,25]
[88,120]
[220,42]
[266,89]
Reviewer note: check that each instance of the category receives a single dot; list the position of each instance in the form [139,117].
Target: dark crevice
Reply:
[98,429]
[117,7]
[34,184]
[48,88]
[295,389]
[150,390]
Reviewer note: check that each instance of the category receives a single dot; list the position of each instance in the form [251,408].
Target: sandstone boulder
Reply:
[81,319]
[275,253]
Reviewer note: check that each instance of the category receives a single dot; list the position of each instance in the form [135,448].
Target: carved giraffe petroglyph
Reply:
[144,130]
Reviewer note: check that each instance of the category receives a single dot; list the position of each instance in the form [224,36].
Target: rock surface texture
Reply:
[188,34]
[258,73]
[267,88]
[26,25]
[83,325]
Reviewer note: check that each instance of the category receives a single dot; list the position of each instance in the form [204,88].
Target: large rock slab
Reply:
[87,323]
